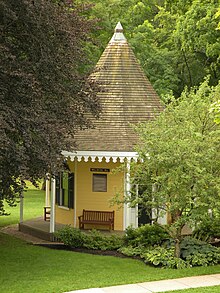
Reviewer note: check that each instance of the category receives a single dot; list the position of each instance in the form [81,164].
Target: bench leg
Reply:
[81,225]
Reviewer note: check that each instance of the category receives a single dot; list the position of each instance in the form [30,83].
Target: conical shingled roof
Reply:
[128,98]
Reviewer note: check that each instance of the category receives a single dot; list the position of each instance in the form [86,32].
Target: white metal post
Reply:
[21,206]
[47,197]
[52,208]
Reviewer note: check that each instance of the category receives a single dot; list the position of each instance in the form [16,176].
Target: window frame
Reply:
[60,191]
[94,184]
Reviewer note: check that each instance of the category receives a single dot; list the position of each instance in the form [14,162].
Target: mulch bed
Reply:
[89,251]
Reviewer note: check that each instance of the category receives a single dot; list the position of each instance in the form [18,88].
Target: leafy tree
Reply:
[45,93]
[180,170]
[215,108]
[177,42]
[199,39]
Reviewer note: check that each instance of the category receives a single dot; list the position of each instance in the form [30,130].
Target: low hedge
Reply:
[91,240]
[193,251]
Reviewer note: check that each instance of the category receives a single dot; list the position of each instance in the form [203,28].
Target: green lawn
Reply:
[27,268]
[33,207]
[212,289]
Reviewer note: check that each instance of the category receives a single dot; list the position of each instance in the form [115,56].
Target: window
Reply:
[99,183]
[65,189]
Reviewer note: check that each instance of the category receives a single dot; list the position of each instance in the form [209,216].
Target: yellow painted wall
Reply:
[64,216]
[89,200]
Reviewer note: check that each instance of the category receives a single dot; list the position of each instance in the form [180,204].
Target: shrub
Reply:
[71,236]
[209,228]
[96,240]
[199,253]
[93,240]
[163,257]
[146,235]
[193,253]
[132,251]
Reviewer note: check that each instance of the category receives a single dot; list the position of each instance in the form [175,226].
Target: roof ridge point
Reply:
[118,36]
[119,28]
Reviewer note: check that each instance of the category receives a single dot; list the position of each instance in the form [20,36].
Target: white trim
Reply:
[100,155]
[64,208]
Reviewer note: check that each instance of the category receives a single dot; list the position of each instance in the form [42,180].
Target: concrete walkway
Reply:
[159,286]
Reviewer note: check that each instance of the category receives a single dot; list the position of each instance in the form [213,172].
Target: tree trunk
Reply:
[43,187]
[177,248]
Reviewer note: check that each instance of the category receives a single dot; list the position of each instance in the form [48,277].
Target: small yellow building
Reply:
[127,99]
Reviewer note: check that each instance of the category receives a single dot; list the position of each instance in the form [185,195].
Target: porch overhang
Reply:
[100,155]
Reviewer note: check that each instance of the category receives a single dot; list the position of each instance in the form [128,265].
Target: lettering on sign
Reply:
[99,170]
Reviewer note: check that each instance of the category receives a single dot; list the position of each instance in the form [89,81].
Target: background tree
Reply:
[45,93]
[177,42]
[180,170]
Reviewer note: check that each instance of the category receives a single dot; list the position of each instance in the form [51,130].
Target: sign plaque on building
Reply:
[99,170]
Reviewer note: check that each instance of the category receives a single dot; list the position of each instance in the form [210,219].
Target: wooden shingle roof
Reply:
[128,98]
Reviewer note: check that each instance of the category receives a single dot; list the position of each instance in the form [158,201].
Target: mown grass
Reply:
[212,289]
[27,268]
[33,207]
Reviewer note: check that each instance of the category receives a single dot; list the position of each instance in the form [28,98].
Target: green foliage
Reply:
[163,257]
[96,240]
[193,253]
[177,42]
[197,33]
[181,169]
[132,251]
[199,253]
[45,93]
[207,229]
[74,237]
[70,236]
[145,235]
[215,108]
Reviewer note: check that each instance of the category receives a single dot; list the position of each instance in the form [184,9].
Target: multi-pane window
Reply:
[99,183]
[65,189]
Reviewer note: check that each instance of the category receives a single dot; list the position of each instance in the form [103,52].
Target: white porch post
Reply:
[47,197]
[130,214]
[52,208]
[21,207]
[136,208]
[75,191]
[127,209]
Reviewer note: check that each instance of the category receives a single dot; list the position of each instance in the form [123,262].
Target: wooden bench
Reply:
[46,213]
[97,218]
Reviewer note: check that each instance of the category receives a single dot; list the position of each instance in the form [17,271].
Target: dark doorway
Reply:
[143,217]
